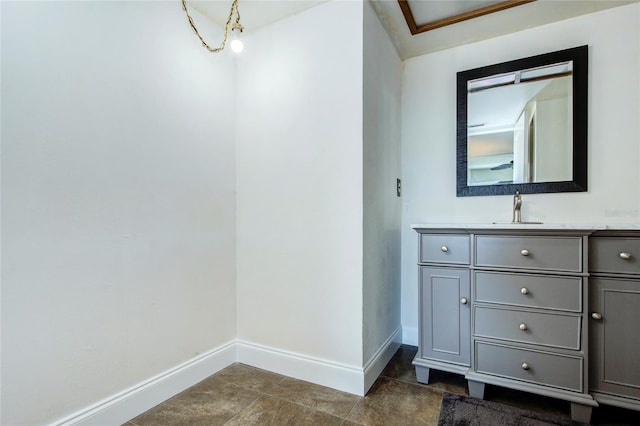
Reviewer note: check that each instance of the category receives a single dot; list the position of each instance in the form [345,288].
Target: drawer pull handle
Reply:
[444,249]
[596,316]
[524,290]
[524,252]
[525,366]
[625,256]
[524,327]
[464,301]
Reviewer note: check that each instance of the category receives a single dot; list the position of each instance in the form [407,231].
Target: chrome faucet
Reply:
[517,205]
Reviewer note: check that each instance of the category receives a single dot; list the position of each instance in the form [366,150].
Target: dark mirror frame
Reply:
[580,57]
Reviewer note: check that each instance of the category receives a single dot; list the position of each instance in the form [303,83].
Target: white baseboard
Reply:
[410,336]
[343,377]
[381,358]
[124,406]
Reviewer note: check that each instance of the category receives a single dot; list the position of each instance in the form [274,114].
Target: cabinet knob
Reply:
[524,290]
[444,249]
[524,252]
[464,301]
[625,256]
[524,327]
[525,366]
[596,316]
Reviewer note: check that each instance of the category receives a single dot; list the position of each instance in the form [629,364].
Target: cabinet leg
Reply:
[476,389]
[581,413]
[422,374]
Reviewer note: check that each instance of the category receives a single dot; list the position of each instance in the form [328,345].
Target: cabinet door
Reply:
[614,336]
[445,314]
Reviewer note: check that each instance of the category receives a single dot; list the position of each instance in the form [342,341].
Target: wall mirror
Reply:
[522,125]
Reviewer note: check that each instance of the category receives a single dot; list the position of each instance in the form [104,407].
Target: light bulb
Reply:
[236,43]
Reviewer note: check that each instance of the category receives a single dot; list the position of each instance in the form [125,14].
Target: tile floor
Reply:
[243,395]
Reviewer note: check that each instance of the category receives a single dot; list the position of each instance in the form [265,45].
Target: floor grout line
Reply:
[245,408]
[351,411]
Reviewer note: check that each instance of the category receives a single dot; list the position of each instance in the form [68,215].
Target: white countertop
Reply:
[522,226]
[623,227]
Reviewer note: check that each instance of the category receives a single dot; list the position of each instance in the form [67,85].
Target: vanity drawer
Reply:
[530,252]
[544,368]
[444,248]
[536,291]
[614,255]
[538,328]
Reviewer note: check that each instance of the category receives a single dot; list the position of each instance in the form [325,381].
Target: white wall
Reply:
[382,214]
[553,158]
[117,201]
[299,188]
[428,134]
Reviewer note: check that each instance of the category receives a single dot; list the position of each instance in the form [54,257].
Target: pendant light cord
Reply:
[234,10]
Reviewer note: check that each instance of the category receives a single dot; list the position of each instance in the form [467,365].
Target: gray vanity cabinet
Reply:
[507,307]
[445,314]
[615,316]
[446,319]
[528,314]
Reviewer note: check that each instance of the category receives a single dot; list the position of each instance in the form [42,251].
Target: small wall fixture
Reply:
[236,30]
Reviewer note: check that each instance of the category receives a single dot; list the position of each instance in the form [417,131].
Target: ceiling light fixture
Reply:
[236,42]
[236,30]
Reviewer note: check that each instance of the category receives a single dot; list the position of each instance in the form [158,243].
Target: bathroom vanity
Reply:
[614,301]
[547,309]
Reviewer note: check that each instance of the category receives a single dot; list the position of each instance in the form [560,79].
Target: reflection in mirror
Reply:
[520,127]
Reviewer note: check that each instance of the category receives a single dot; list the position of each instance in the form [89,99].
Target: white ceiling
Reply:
[253,13]
[259,13]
